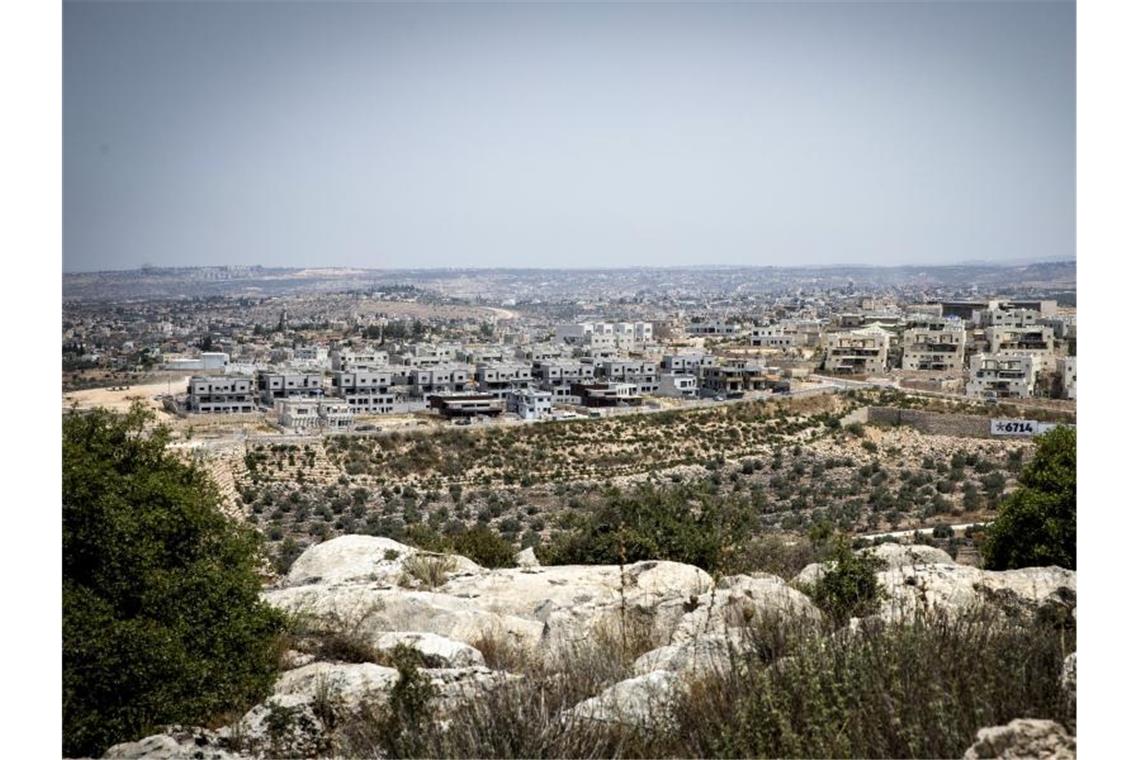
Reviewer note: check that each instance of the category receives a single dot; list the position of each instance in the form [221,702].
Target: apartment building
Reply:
[1005,316]
[687,363]
[1002,376]
[857,352]
[776,336]
[585,332]
[501,378]
[712,327]
[450,378]
[732,379]
[272,386]
[207,361]
[366,390]
[1064,327]
[642,374]
[927,349]
[348,360]
[298,414]
[1023,340]
[558,376]
[542,352]
[311,354]
[220,395]
[530,404]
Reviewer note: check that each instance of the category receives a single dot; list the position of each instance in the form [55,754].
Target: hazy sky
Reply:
[395,135]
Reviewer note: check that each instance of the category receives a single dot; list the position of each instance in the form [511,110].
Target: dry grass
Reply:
[423,570]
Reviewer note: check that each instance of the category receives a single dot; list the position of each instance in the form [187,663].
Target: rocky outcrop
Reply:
[355,587]
[707,653]
[643,702]
[177,744]
[358,558]
[923,578]
[435,651]
[1021,594]
[1024,739]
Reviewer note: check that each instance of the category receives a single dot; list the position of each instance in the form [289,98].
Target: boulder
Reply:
[1023,739]
[358,558]
[737,601]
[176,744]
[526,558]
[894,555]
[708,653]
[956,588]
[370,612]
[644,701]
[437,651]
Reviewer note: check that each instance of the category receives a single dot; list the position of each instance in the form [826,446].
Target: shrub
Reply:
[484,546]
[1037,524]
[682,523]
[427,570]
[848,586]
[161,617]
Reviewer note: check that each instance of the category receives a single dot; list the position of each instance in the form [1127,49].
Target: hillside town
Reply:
[305,361]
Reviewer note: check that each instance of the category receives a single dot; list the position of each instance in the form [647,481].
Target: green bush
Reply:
[161,617]
[1037,524]
[848,586]
[686,523]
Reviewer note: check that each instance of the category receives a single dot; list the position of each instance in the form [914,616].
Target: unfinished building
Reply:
[220,395]
[366,390]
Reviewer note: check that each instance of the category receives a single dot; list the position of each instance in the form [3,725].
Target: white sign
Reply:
[1015,427]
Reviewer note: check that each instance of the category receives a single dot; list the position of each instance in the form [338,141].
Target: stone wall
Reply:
[932,423]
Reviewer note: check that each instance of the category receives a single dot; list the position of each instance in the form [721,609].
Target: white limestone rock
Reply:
[358,558]
[1024,739]
[437,651]
[644,701]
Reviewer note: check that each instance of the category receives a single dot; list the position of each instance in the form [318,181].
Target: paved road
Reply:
[905,533]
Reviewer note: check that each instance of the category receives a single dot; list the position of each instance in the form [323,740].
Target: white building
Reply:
[347,360]
[941,350]
[530,404]
[1036,341]
[857,352]
[1002,376]
[776,336]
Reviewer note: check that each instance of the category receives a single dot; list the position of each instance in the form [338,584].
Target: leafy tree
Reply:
[161,617]
[1037,524]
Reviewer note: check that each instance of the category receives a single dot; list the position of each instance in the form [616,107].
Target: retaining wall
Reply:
[931,423]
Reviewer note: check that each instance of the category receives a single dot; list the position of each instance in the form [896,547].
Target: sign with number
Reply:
[1014,427]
